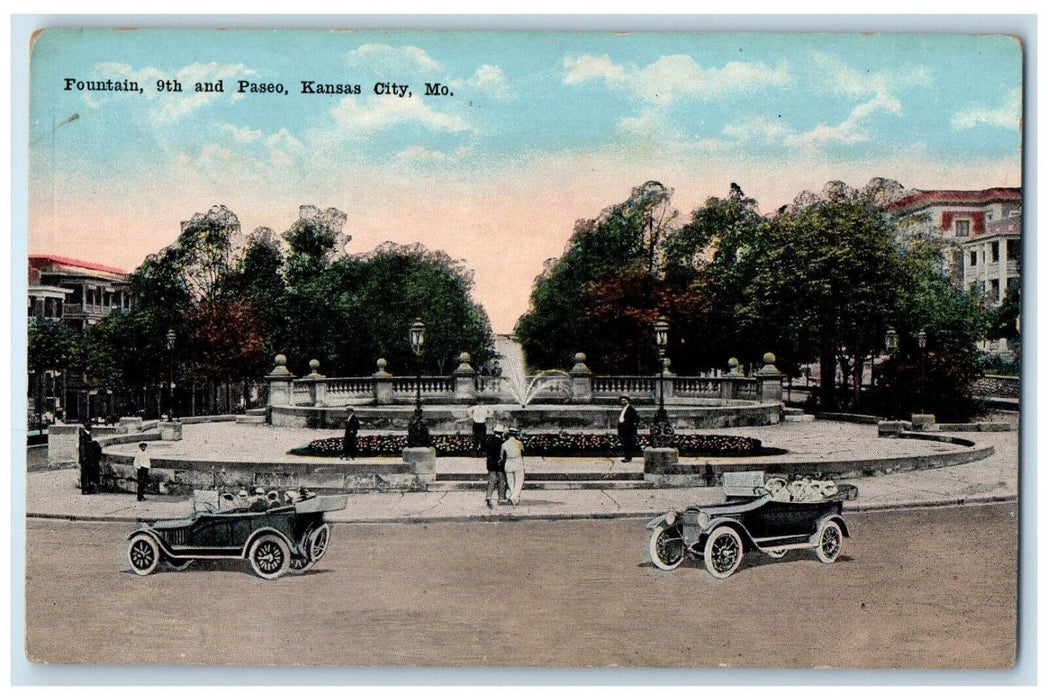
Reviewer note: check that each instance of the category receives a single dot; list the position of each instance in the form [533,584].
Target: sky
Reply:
[537,131]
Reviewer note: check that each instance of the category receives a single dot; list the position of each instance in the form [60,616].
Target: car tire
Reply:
[270,557]
[317,542]
[143,554]
[828,542]
[666,547]
[723,552]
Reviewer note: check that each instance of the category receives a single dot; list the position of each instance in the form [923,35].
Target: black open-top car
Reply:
[276,535]
[771,515]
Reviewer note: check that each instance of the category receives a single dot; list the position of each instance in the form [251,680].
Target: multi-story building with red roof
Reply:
[981,229]
[76,292]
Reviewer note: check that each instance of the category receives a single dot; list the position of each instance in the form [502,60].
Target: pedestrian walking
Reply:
[512,460]
[627,426]
[142,465]
[496,474]
[349,436]
[478,414]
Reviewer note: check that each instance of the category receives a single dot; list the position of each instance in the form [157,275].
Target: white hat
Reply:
[500,428]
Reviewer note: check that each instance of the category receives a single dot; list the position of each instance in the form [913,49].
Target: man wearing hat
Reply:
[512,460]
[496,474]
[628,420]
[142,465]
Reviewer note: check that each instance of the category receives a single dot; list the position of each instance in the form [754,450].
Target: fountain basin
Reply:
[536,417]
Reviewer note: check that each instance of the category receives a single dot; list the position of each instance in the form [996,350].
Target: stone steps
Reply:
[251,419]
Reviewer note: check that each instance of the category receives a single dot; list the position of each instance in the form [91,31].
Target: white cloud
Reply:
[758,128]
[384,56]
[487,79]
[1007,115]
[240,134]
[673,77]
[835,76]
[375,114]
[420,153]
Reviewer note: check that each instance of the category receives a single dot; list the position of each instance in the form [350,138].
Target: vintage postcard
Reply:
[688,350]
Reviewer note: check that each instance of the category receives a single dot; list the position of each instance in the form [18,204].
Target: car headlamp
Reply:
[671,517]
[704,520]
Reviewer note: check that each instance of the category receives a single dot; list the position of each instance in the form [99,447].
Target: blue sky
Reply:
[542,129]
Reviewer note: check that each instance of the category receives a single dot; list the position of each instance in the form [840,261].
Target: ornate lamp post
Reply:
[922,343]
[891,341]
[418,433]
[170,373]
[661,430]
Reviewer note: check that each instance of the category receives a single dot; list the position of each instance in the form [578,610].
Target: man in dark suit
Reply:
[349,437]
[627,425]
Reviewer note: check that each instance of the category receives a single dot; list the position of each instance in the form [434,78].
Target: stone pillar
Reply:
[383,384]
[170,431]
[728,385]
[667,382]
[769,381]
[422,462]
[581,380]
[465,380]
[131,424]
[63,446]
[280,382]
[317,383]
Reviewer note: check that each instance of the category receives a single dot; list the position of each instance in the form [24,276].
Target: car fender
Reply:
[733,524]
[267,531]
[826,518]
[156,535]
[656,522]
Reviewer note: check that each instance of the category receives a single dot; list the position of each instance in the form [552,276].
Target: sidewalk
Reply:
[53,494]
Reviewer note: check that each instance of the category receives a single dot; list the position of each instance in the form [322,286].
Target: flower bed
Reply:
[544,445]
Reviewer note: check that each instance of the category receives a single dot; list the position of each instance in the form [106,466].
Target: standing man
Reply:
[512,459]
[496,474]
[94,465]
[478,414]
[142,465]
[83,457]
[628,420]
[349,436]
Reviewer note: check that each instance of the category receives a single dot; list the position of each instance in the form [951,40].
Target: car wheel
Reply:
[270,557]
[177,564]
[317,543]
[775,553]
[723,552]
[143,554]
[666,548]
[828,542]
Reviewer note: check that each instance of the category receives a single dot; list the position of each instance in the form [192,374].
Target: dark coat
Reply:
[629,424]
[493,453]
[352,426]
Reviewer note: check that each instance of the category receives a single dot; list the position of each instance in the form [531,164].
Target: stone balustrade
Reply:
[465,385]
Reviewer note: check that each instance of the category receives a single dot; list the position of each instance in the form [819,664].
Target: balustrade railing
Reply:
[379,389]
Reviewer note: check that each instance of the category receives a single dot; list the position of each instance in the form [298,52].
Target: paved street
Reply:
[921,588]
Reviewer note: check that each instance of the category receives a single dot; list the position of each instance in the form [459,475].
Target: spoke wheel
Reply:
[143,554]
[317,543]
[723,552]
[829,542]
[270,557]
[666,548]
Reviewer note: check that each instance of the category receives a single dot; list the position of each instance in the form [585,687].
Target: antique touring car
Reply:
[772,516]
[276,535]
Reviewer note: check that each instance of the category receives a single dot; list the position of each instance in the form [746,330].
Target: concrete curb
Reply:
[915,504]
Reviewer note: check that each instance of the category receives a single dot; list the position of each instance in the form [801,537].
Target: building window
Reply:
[1013,250]
[995,289]
[973,259]
[961,228]
[995,252]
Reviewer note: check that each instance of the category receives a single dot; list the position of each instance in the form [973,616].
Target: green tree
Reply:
[624,238]
[51,347]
